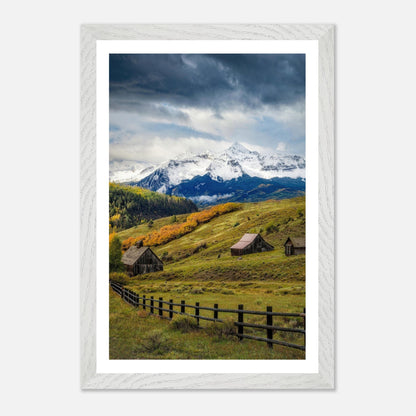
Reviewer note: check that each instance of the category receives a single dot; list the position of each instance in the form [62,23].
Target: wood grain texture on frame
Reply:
[325,379]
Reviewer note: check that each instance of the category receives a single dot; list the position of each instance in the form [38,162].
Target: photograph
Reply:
[207,206]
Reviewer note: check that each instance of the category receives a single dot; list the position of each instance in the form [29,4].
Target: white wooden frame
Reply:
[325,379]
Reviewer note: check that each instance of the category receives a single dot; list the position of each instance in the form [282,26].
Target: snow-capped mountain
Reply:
[128,171]
[207,177]
[233,163]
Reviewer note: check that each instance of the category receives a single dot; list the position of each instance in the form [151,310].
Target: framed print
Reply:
[207,168]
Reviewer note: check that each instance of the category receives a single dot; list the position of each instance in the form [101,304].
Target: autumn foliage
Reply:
[176,230]
[126,244]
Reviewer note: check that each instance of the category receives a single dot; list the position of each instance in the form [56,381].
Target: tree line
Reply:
[131,205]
[171,231]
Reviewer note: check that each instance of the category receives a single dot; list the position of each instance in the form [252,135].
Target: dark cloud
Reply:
[164,103]
[218,82]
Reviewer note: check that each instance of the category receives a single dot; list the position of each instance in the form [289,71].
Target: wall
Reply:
[375,197]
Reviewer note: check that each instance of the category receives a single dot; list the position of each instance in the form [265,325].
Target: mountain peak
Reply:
[237,147]
[233,164]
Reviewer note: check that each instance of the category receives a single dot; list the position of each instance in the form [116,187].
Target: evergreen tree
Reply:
[133,204]
[115,255]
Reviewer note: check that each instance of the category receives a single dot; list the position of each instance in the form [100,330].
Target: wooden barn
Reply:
[294,246]
[140,260]
[250,243]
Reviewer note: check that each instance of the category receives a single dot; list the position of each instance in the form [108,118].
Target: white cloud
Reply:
[281,147]
[155,136]
[158,149]
[209,199]
[229,125]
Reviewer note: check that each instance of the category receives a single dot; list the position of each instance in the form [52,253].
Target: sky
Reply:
[167,104]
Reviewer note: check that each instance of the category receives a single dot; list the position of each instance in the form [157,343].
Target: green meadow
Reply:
[198,267]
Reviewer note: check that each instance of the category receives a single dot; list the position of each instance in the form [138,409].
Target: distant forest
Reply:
[131,205]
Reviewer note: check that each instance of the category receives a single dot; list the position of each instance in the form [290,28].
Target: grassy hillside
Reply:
[198,267]
[204,254]
[130,205]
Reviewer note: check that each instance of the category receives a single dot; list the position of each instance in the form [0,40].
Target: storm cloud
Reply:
[250,98]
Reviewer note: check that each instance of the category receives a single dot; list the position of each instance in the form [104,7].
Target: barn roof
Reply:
[245,241]
[298,242]
[133,254]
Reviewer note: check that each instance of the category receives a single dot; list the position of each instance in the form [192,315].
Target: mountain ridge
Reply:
[235,174]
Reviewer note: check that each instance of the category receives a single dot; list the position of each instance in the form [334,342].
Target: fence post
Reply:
[304,327]
[216,311]
[240,320]
[151,305]
[144,302]
[197,313]
[182,306]
[122,292]
[270,323]
[170,308]
[160,307]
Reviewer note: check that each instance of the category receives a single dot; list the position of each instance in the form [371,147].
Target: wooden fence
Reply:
[162,306]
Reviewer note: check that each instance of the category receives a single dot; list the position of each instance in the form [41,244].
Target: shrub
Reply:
[227,292]
[197,291]
[269,227]
[199,247]
[183,323]
[119,277]
[155,341]
[296,323]
[222,329]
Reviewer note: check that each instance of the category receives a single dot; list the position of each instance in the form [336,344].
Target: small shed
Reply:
[140,260]
[250,243]
[295,245]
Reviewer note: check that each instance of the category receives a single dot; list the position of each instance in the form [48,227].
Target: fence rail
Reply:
[153,305]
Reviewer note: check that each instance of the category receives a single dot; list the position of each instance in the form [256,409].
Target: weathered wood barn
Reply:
[250,243]
[294,246]
[140,260]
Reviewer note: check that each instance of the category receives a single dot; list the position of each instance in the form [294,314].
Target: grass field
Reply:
[198,267]
[135,335]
